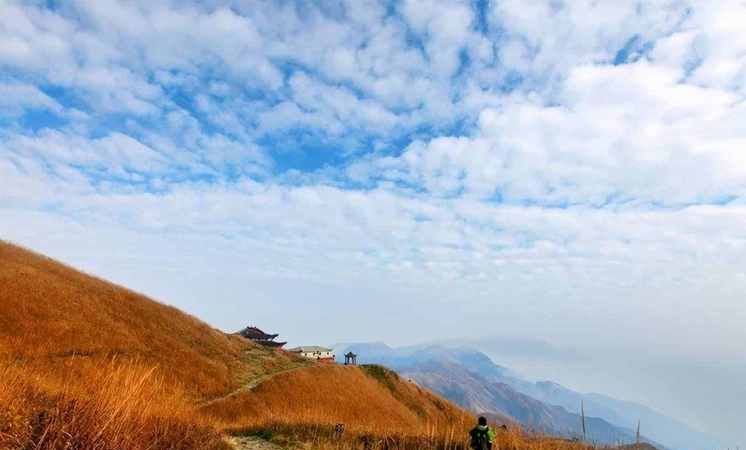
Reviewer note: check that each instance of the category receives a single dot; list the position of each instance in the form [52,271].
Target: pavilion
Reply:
[260,337]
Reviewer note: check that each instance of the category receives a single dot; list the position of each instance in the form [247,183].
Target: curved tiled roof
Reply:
[256,333]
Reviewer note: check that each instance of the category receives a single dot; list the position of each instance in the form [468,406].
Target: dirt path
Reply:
[251,443]
[252,384]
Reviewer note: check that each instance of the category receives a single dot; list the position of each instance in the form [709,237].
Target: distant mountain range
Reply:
[471,379]
[478,394]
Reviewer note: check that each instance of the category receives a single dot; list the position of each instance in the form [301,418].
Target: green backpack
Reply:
[480,438]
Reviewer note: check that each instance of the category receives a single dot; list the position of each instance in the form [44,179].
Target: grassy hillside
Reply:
[53,315]
[365,399]
[88,364]
[93,365]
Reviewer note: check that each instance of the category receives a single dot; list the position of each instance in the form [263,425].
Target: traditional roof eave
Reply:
[256,333]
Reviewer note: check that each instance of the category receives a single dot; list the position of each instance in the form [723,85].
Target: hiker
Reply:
[482,436]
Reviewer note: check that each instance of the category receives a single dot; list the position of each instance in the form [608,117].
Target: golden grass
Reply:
[378,408]
[51,312]
[110,406]
[86,364]
[329,394]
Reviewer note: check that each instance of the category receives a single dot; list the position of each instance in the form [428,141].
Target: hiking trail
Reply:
[250,385]
[251,443]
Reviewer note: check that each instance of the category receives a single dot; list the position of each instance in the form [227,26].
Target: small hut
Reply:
[314,352]
[350,359]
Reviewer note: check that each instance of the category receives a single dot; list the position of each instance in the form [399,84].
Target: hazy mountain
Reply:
[655,425]
[402,357]
[544,405]
[470,379]
[468,389]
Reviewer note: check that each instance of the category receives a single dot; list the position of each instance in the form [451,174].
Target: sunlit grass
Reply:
[85,364]
[101,406]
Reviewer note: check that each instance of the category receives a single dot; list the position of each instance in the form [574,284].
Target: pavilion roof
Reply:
[256,333]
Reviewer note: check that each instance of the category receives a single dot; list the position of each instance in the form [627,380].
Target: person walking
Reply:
[481,436]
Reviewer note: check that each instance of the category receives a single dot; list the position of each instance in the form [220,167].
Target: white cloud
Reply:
[522,258]
[339,109]
[626,133]
[16,98]
[720,45]
[545,39]
[445,28]
[117,154]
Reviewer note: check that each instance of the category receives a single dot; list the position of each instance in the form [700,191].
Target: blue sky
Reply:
[572,171]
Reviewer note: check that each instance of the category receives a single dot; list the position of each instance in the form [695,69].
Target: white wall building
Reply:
[314,352]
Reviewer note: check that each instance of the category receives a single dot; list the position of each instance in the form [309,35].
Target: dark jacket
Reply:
[482,437]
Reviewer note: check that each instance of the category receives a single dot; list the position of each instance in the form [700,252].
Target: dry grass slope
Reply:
[51,313]
[86,364]
[330,394]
